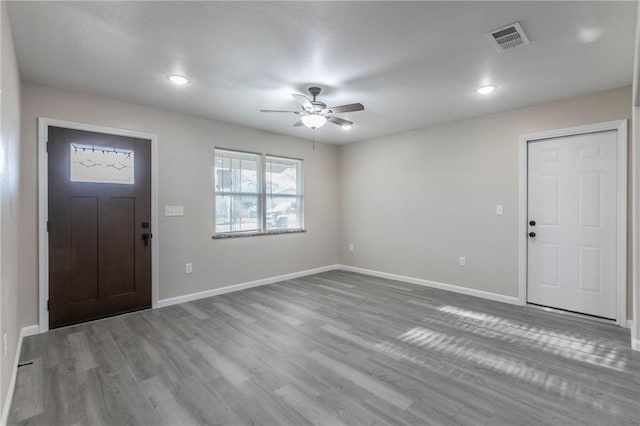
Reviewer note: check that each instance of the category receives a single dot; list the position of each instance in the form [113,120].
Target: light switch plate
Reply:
[188,268]
[499,209]
[173,211]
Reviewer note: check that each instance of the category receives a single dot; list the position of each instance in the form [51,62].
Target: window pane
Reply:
[283,176]
[248,176]
[237,172]
[236,213]
[101,164]
[284,193]
[283,212]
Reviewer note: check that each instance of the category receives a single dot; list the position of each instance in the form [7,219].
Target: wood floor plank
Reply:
[193,310]
[226,367]
[28,383]
[307,406]
[166,404]
[234,313]
[369,384]
[332,348]
[80,350]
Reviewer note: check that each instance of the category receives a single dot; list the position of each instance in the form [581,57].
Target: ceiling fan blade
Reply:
[346,108]
[339,121]
[302,100]
[276,110]
[298,123]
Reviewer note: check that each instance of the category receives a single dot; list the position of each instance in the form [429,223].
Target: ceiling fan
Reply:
[314,114]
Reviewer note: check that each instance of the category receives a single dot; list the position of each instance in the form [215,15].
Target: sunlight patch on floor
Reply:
[570,346]
[466,350]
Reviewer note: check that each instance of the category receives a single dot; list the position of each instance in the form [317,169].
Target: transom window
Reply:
[257,193]
[101,164]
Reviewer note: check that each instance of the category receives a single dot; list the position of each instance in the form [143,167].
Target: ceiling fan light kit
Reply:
[314,121]
[315,114]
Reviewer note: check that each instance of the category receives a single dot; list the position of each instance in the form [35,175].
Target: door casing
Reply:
[621,262]
[43,197]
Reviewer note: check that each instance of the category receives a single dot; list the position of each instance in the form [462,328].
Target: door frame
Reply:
[621,262]
[43,206]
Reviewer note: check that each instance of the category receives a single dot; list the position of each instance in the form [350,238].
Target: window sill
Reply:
[257,234]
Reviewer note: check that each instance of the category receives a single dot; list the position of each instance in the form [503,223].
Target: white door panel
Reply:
[572,199]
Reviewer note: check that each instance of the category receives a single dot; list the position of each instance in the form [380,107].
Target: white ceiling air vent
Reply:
[508,37]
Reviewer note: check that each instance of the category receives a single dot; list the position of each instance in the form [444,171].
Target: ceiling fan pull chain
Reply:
[314,139]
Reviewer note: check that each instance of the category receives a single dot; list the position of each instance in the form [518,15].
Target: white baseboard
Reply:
[419,281]
[242,286]
[30,330]
[24,332]
[434,284]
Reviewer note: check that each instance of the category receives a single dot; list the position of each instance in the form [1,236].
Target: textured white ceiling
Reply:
[411,64]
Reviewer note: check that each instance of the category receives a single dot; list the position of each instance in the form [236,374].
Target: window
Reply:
[257,194]
[100,164]
[283,193]
[238,191]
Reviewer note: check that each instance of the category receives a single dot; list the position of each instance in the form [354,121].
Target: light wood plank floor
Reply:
[333,348]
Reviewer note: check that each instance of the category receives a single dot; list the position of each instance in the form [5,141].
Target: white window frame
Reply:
[262,197]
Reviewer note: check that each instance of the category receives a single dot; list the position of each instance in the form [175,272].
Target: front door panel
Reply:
[99,196]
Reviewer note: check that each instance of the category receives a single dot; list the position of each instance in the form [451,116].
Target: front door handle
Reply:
[146,238]
[532,234]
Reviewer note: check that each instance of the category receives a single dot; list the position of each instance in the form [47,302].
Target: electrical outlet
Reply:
[188,268]
[462,261]
[351,248]
[499,209]
[5,344]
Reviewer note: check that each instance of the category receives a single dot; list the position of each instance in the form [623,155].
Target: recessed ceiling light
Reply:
[590,35]
[178,79]
[485,90]
[347,127]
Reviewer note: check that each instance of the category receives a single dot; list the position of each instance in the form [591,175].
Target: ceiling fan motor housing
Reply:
[315,91]
[318,106]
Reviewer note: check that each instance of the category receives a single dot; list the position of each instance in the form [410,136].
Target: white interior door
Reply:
[572,210]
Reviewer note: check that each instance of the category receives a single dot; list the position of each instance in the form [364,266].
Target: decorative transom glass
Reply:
[99,164]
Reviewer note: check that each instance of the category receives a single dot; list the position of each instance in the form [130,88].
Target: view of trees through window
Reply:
[256,193]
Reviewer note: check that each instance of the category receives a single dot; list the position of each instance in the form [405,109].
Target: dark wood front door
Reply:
[99,214]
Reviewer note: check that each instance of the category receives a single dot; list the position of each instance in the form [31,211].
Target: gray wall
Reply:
[413,203]
[185,168]
[9,199]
